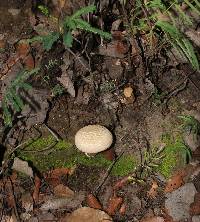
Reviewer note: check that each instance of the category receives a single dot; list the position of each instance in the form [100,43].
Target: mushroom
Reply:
[93,139]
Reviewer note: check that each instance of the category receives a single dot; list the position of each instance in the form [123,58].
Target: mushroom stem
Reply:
[109,154]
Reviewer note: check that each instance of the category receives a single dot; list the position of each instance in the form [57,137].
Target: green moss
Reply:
[176,155]
[63,154]
[124,166]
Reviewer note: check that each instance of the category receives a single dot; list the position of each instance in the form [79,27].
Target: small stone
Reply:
[196,218]
[14,11]
[178,202]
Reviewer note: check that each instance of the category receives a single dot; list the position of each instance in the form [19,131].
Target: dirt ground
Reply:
[163,88]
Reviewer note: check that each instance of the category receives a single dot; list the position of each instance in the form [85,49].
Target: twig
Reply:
[96,191]
[51,131]
[179,88]
[77,57]
[13,200]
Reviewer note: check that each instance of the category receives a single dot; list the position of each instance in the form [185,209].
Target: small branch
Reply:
[96,191]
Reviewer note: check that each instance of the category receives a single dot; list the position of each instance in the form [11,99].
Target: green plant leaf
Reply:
[83,11]
[44,10]
[49,40]
[169,29]
[67,39]
[81,24]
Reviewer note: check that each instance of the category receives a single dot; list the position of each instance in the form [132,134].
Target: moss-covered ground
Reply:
[176,155]
[46,153]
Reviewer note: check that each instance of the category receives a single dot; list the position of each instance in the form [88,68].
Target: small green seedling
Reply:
[68,25]
[190,124]
[12,102]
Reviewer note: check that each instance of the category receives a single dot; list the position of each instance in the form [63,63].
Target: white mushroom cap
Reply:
[93,139]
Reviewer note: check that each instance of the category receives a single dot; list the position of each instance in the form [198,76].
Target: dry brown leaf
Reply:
[67,83]
[113,205]
[60,172]
[23,49]
[36,191]
[29,62]
[119,184]
[152,193]
[116,49]
[122,209]
[2,44]
[153,219]
[53,203]
[87,214]
[54,176]
[63,191]
[128,91]
[93,202]
[195,207]
[175,181]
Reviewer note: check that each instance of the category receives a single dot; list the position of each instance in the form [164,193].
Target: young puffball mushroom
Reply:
[93,139]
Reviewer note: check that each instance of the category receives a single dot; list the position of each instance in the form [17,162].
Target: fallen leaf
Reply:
[54,176]
[27,202]
[93,202]
[153,219]
[114,204]
[195,206]
[119,184]
[128,91]
[116,49]
[58,172]
[23,49]
[22,166]
[66,81]
[175,181]
[122,209]
[87,214]
[152,193]
[29,62]
[36,191]
[63,191]
[53,203]
[2,44]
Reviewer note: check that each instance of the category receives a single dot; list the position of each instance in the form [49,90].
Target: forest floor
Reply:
[146,95]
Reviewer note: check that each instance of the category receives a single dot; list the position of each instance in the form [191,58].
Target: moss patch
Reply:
[46,153]
[176,155]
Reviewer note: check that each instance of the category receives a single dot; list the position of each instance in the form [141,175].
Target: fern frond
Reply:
[12,102]
[192,7]
[168,28]
[49,40]
[188,51]
[157,4]
[185,18]
[197,3]
[83,11]
[81,24]
[6,113]
[67,39]
[11,99]
[17,99]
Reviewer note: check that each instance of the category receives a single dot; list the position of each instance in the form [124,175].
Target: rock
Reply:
[87,214]
[178,202]
[196,218]
[14,11]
